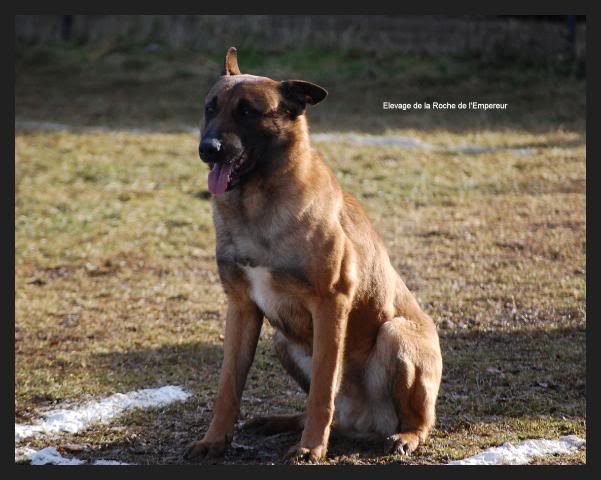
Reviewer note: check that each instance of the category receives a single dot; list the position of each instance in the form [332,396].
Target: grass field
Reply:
[116,284]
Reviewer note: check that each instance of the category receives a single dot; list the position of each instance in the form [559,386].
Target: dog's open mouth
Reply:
[224,175]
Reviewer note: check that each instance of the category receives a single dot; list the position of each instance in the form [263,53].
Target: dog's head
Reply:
[246,119]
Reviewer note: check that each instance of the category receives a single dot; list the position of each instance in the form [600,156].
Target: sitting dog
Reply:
[295,248]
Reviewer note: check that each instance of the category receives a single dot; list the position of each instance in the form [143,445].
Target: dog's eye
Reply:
[248,111]
[209,109]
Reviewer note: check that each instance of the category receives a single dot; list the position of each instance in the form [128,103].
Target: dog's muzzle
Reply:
[209,149]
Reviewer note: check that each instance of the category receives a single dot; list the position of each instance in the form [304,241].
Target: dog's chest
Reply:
[283,310]
[262,291]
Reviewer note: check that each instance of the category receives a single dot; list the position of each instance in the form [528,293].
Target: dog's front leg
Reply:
[329,327]
[242,328]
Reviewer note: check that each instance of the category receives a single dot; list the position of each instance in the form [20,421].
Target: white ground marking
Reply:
[382,140]
[523,452]
[410,142]
[51,456]
[64,127]
[109,462]
[78,418]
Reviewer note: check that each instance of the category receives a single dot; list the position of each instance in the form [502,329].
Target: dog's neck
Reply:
[296,147]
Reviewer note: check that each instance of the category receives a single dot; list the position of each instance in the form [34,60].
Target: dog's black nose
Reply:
[208,148]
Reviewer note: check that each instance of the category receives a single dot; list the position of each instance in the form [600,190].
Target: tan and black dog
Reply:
[293,247]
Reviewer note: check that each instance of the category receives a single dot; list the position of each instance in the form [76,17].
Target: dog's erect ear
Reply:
[231,62]
[298,93]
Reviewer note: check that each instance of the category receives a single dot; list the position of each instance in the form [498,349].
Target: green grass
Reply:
[134,88]
[116,284]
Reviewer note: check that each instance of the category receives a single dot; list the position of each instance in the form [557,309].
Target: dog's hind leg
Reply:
[295,360]
[409,354]
[297,363]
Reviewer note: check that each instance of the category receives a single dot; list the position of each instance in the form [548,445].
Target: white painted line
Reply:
[63,127]
[51,456]
[382,140]
[33,125]
[523,452]
[109,462]
[410,142]
[395,140]
[78,418]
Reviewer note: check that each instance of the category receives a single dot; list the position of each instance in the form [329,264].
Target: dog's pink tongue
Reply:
[219,178]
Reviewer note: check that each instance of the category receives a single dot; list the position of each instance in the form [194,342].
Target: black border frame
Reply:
[347,472]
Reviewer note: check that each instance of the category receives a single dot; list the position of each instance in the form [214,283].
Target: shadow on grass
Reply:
[489,378]
[512,374]
[187,364]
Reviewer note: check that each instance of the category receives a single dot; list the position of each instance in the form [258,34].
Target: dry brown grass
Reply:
[117,288]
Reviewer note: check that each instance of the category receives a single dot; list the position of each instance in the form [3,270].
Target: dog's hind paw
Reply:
[272,425]
[404,443]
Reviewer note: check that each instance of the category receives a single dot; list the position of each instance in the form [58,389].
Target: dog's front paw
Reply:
[304,454]
[204,449]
